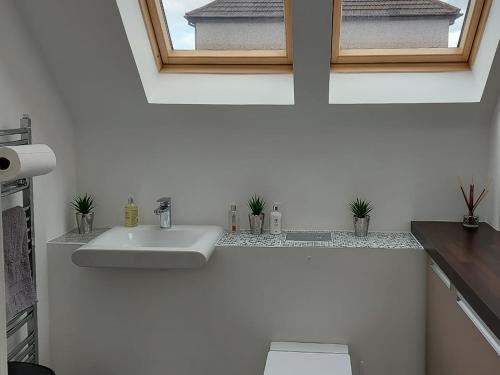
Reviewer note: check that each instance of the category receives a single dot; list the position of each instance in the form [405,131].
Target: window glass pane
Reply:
[225,24]
[402,23]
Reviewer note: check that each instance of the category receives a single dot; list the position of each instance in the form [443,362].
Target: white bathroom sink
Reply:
[149,246]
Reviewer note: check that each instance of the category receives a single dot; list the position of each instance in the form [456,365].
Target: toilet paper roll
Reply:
[25,161]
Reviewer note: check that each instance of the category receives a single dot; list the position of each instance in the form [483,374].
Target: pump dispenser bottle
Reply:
[275,219]
[131,213]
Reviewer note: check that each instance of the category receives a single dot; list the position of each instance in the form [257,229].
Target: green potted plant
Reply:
[361,209]
[256,216]
[83,206]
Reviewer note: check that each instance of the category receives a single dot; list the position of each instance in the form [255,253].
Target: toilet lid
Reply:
[300,363]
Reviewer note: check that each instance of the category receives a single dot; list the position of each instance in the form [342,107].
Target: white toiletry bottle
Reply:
[275,220]
[233,219]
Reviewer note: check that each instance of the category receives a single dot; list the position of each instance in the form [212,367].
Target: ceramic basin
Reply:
[149,246]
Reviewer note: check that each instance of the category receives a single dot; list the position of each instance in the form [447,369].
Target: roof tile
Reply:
[397,8]
[350,8]
[239,8]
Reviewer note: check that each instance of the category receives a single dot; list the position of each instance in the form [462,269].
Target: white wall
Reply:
[406,162]
[370,33]
[236,35]
[394,33]
[26,87]
[313,157]
[494,198]
[220,319]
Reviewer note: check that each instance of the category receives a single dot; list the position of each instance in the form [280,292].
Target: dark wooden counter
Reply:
[470,259]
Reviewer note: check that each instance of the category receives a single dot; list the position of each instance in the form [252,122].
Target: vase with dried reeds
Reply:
[471,220]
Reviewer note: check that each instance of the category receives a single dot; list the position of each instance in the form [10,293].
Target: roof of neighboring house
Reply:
[398,8]
[350,8]
[238,9]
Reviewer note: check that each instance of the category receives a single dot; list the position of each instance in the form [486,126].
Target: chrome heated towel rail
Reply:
[22,329]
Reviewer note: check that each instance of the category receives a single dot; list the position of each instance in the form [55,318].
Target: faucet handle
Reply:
[164,201]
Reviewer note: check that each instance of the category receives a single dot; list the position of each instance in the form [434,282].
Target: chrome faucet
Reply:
[165,212]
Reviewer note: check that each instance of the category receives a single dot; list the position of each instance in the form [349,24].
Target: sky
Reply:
[182,34]
[456,28]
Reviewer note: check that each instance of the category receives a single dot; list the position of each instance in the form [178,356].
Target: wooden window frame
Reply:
[169,59]
[412,59]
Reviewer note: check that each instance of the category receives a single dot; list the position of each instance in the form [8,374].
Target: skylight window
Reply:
[198,35]
[407,31]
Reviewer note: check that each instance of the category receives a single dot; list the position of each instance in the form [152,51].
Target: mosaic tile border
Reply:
[340,239]
[73,237]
